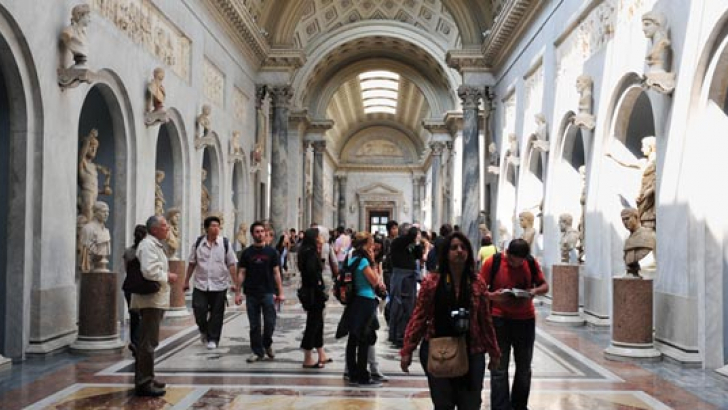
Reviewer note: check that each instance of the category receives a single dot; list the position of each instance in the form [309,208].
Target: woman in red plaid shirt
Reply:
[457,286]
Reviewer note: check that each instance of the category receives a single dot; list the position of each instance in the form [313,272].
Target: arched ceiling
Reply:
[283,20]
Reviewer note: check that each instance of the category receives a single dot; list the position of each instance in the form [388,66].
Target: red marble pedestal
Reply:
[632,329]
[565,291]
[98,329]
[177,304]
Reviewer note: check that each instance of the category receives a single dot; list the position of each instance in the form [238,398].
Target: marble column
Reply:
[307,185]
[471,96]
[281,97]
[342,199]
[416,199]
[436,148]
[317,208]
[447,206]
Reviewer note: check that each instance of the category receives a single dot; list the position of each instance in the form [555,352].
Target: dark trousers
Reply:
[402,302]
[313,335]
[209,309]
[520,336]
[257,305]
[361,336]
[461,392]
[148,342]
[134,322]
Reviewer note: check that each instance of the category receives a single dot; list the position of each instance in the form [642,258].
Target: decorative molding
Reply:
[241,26]
[277,58]
[240,104]
[470,96]
[143,23]
[466,60]
[281,95]
[513,16]
[213,84]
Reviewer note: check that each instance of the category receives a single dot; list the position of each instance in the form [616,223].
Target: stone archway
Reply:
[240,191]
[506,203]
[212,183]
[21,153]
[531,188]
[172,158]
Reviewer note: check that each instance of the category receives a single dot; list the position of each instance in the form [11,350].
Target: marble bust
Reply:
[584,118]
[173,235]
[74,38]
[156,95]
[203,126]
[256,155]
[646,197]
[493,159]
[540,137]
[235,148]
[94,241]
[526,219]
[582,218]
[640,243]
[658,75]
[159,201]
[242,235]
[569,239]
[512,151]
[88,178]
[204,197]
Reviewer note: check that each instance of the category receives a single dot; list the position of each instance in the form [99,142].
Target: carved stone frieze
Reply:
[513,15]
[144,24]
[286,58]
[466,60]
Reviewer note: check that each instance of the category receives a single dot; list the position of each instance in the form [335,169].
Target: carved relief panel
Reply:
[533,99]
[213,85]
[240,104]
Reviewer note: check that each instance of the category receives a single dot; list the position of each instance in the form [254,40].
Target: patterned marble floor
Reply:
[569,372]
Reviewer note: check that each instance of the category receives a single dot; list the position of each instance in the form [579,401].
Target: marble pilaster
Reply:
[281,97]
[342,179]
[417,198]
[307,184]
[471,96]
[436,166]
[317,211]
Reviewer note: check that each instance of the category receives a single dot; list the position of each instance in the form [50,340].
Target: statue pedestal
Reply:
[98,330]
[177,302]
[565,291]
[632,332]
[5,363]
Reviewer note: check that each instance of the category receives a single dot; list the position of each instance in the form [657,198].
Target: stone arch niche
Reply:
[21,152]
[172,157]
[211,164]
[240,191]
[532,186]
[506,203]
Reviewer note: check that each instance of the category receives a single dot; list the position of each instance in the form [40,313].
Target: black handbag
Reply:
[135,282]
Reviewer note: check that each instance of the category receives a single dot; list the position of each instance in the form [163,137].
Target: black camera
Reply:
[461,320]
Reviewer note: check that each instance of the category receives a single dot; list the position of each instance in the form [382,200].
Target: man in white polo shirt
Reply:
[213,261]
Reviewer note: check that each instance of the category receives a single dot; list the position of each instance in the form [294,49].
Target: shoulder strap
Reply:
[198,241]
[227,245]
[534,271]
[494,269]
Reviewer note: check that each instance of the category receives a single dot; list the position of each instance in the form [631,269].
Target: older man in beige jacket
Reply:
[154,267]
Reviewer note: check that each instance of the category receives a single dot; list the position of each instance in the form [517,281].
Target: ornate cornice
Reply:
[320,125]
[279,58]
[515,15]
[241,27]
[465,60]
[380,168]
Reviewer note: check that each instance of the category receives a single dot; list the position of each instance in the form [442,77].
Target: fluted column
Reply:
[471,96]
[317,211]
[436,148]
[342,199]
[281,98]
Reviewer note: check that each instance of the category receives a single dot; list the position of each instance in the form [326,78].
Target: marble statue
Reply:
[155,99]
[204,128]
[242,235]
[582,218]
[526,219]
[493,159]
[74,41]
[159,201]
[235,148]
[585,117]
[204,197]
[569,239]
[74,38]
[658,75]
[648,166]
[540,137]
[640,243]
[504,236]
[256,156]
[88,178]
[173,235]
[94,241]
[512,151]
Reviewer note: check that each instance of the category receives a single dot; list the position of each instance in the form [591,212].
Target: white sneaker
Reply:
[254,358]
[211,345]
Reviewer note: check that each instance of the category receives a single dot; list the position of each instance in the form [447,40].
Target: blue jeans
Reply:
[519,335]
[461,392]
[257,304]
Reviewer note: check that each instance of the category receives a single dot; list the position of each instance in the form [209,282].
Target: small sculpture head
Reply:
[159,176]
[649,145]
[540,119]
[565,222]
[583,82]
[173,215]
[631,219]
[526,218]
[492,147]
[206,110]
[204,174]
[652,23]
[90,144]
[101,211]
[81,15]
[159,74]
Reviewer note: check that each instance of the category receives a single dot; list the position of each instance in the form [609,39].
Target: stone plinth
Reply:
[177,301]
[632,329]
[565,291]
[98,330]
[5,363]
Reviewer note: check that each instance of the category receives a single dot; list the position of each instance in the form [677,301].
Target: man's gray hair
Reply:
[153,221]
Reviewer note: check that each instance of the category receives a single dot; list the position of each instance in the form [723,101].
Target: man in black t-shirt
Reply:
[260,276]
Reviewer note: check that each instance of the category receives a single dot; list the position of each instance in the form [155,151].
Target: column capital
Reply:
[470,96]
[437,147]
[281,95]
[319,146]
[261,91]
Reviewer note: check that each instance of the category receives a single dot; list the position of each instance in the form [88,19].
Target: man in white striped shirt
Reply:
[212,260]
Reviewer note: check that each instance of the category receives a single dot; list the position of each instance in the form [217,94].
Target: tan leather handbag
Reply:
[448,357]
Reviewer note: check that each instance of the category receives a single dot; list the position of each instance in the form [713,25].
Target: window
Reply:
[380,90]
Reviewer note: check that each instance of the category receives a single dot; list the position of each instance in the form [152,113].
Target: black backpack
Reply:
[496,266]
[344,290]
[224,241]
